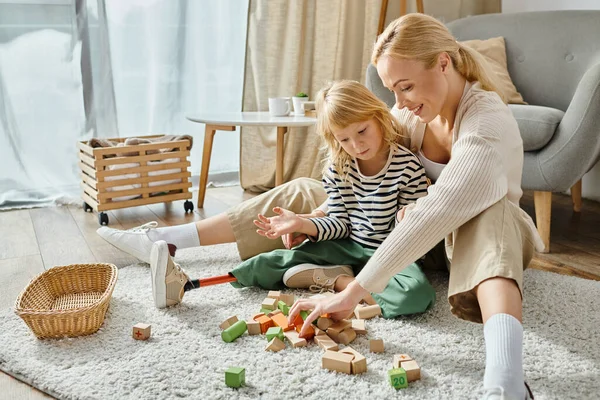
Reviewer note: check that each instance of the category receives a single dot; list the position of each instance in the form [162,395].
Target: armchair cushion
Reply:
[494,52]
[536,123]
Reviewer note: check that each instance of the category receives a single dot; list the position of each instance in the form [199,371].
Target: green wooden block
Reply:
[285,309]
[304,314]
[265,311]
[275,331]
[234,331]
[398,378]
[235,377]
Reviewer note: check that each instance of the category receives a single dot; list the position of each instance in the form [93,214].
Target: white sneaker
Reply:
[134,241]
[168,279]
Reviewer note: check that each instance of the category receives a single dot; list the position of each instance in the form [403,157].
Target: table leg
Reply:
[281,131]
[209,135]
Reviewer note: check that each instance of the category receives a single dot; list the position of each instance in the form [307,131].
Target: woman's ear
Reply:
[444,61]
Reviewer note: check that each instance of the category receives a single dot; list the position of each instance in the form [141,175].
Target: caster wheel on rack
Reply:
[103,218]
[189,206]
[87,207]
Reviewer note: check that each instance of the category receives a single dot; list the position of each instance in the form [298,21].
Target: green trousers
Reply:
[408,292]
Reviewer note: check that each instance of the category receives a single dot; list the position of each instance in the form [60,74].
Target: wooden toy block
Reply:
[400,358]
[347,336]
[234,331]
[141,331]
[339,326]
[325,342]
[324,323]
[269,304]
[274,294]
[253,327]
[310,333]
[298,321]
[228,322]
[376,346]
[235,377]
[334,361]
[275,345]
[274,312]
[282,321]
[265,323]
[274,331]
[318,331]
[397,377]
[367,312]
[413,372]
[295,340]
[334,335]
[285,309]
[288,299]
[359,363]
[256,316]
[359,326]
[265,311]
[304,314]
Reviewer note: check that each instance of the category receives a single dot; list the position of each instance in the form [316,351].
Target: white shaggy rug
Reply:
[186,358]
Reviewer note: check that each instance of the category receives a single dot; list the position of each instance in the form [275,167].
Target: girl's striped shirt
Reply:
[364,208]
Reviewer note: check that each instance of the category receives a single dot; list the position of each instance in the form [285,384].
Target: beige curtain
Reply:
[445,10]
[293,46]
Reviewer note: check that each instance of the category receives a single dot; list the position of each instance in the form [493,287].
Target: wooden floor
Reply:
[37,239]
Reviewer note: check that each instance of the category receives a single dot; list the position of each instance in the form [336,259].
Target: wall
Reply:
[591,181]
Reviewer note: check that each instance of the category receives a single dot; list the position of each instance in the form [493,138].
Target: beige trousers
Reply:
[496,243]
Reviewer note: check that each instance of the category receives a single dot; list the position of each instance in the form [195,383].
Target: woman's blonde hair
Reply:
[345,102]
[423,38]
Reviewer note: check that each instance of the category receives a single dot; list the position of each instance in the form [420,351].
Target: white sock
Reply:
[182,236]
[504,355]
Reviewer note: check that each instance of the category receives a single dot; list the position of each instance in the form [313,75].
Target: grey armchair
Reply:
[554,61]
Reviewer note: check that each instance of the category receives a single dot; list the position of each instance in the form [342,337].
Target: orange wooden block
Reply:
[256,316]
[281,321]
[265,323]
[298,321]
[309,334]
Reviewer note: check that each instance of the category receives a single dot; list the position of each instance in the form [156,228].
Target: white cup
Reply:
[298,101]
[279,106]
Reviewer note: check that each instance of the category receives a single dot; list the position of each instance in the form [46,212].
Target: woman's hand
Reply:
[339,306]
[285,222]
[400,214]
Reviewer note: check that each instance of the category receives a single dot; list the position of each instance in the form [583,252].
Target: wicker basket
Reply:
[67,301]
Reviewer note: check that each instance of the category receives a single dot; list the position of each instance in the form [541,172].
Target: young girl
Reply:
[369,178]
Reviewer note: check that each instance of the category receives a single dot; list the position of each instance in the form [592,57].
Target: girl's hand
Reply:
[339,306]
[290,241]
[285,222]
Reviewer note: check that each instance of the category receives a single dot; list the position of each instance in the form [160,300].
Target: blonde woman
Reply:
[470,145]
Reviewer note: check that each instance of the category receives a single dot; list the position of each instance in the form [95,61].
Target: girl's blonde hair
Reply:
[345,102]
[423,38]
